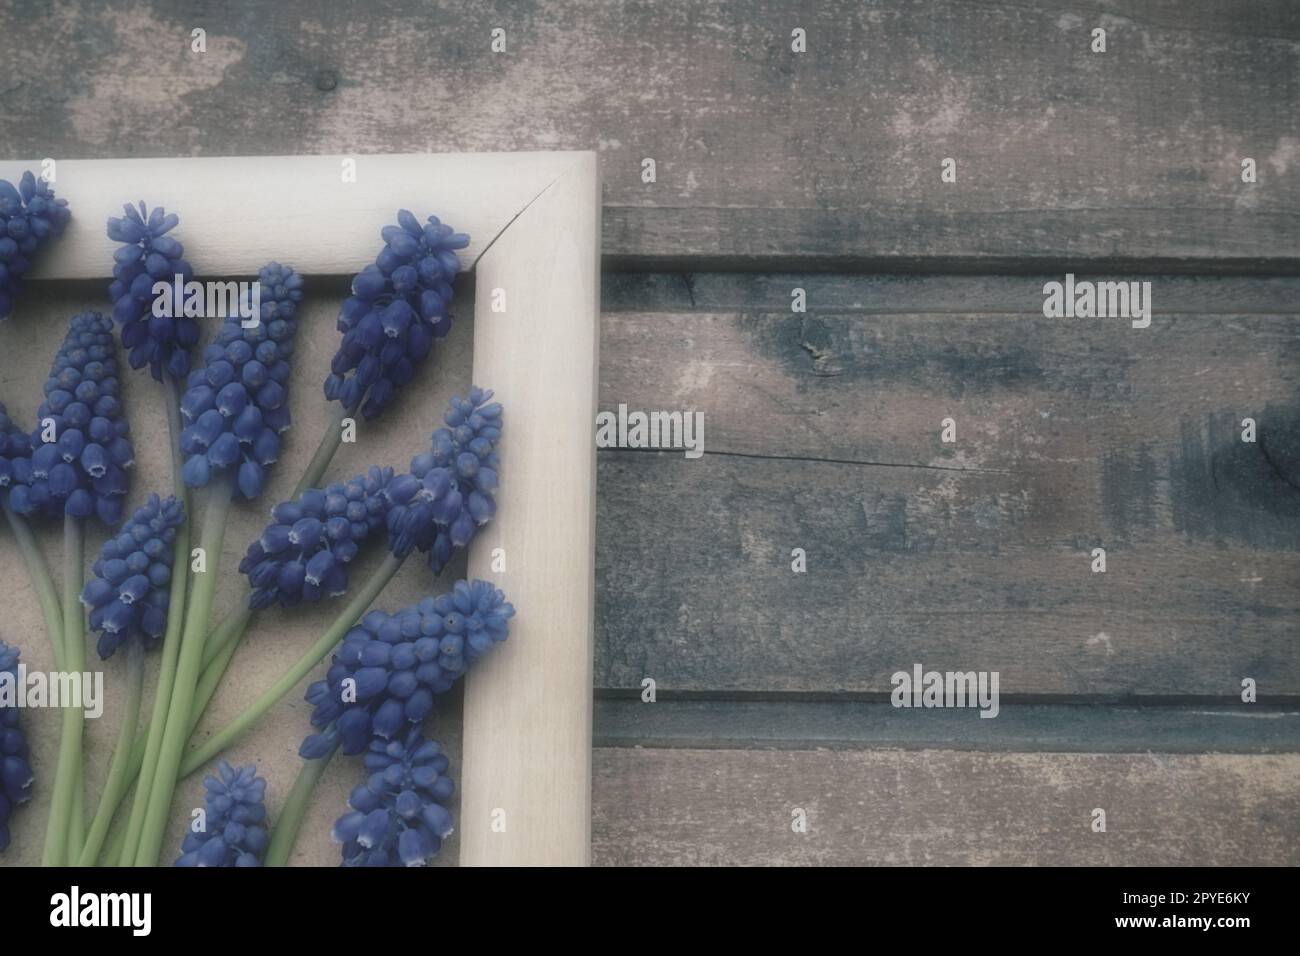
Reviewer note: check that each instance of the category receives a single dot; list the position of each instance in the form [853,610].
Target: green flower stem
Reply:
[231,629]
[226,638]
[329,444]
[210,678]
[287,825]
[117,782]
[74,648]
[115,845]
[144,755]
[216,641]
[358,606]
[59,830]
[177,728]
[213,669]
[77,819]
[42,581]
[143,760]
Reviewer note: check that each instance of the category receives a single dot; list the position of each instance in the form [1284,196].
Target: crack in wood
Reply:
[815,460]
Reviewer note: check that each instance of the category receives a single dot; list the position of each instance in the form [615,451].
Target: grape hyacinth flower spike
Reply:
[397,309]
[81,448]
[30,217]
[449,493]
[129,593]
[399,816]
[236,407]
[393,665]
[15,769]
[15,452]
[148,255]
[234,831]
[304,553]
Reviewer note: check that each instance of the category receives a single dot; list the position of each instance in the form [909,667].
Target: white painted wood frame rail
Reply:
[534,221]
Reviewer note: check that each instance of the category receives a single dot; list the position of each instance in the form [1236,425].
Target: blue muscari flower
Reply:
[235,826]
[449,493]
[15,770]
[83,471]
[148,255]
[397,663]
[129,593]
[397,309]
[30,217]
[236,406]
[304,553]
[15,452]
[399,816]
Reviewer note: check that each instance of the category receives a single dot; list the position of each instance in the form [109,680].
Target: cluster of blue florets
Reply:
[148,255]
[399,816]
[397,309]
[15,446]
[449,493]
[395,664]
[234,832]
[81,448]
[30,217]
[305,551]
[236,406]
[15,769]
[130,590]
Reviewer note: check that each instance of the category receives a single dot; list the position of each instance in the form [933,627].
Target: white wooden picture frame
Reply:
[534,223]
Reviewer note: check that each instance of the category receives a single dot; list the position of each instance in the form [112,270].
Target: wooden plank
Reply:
[829,156]
[956,572]
[238,213]
[799,723]
[823,433]
[527,789]
[943,808]
[1023,390]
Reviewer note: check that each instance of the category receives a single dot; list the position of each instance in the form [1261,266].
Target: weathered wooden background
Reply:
[820,170]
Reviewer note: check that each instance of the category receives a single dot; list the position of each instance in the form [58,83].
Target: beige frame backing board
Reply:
[534,221]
